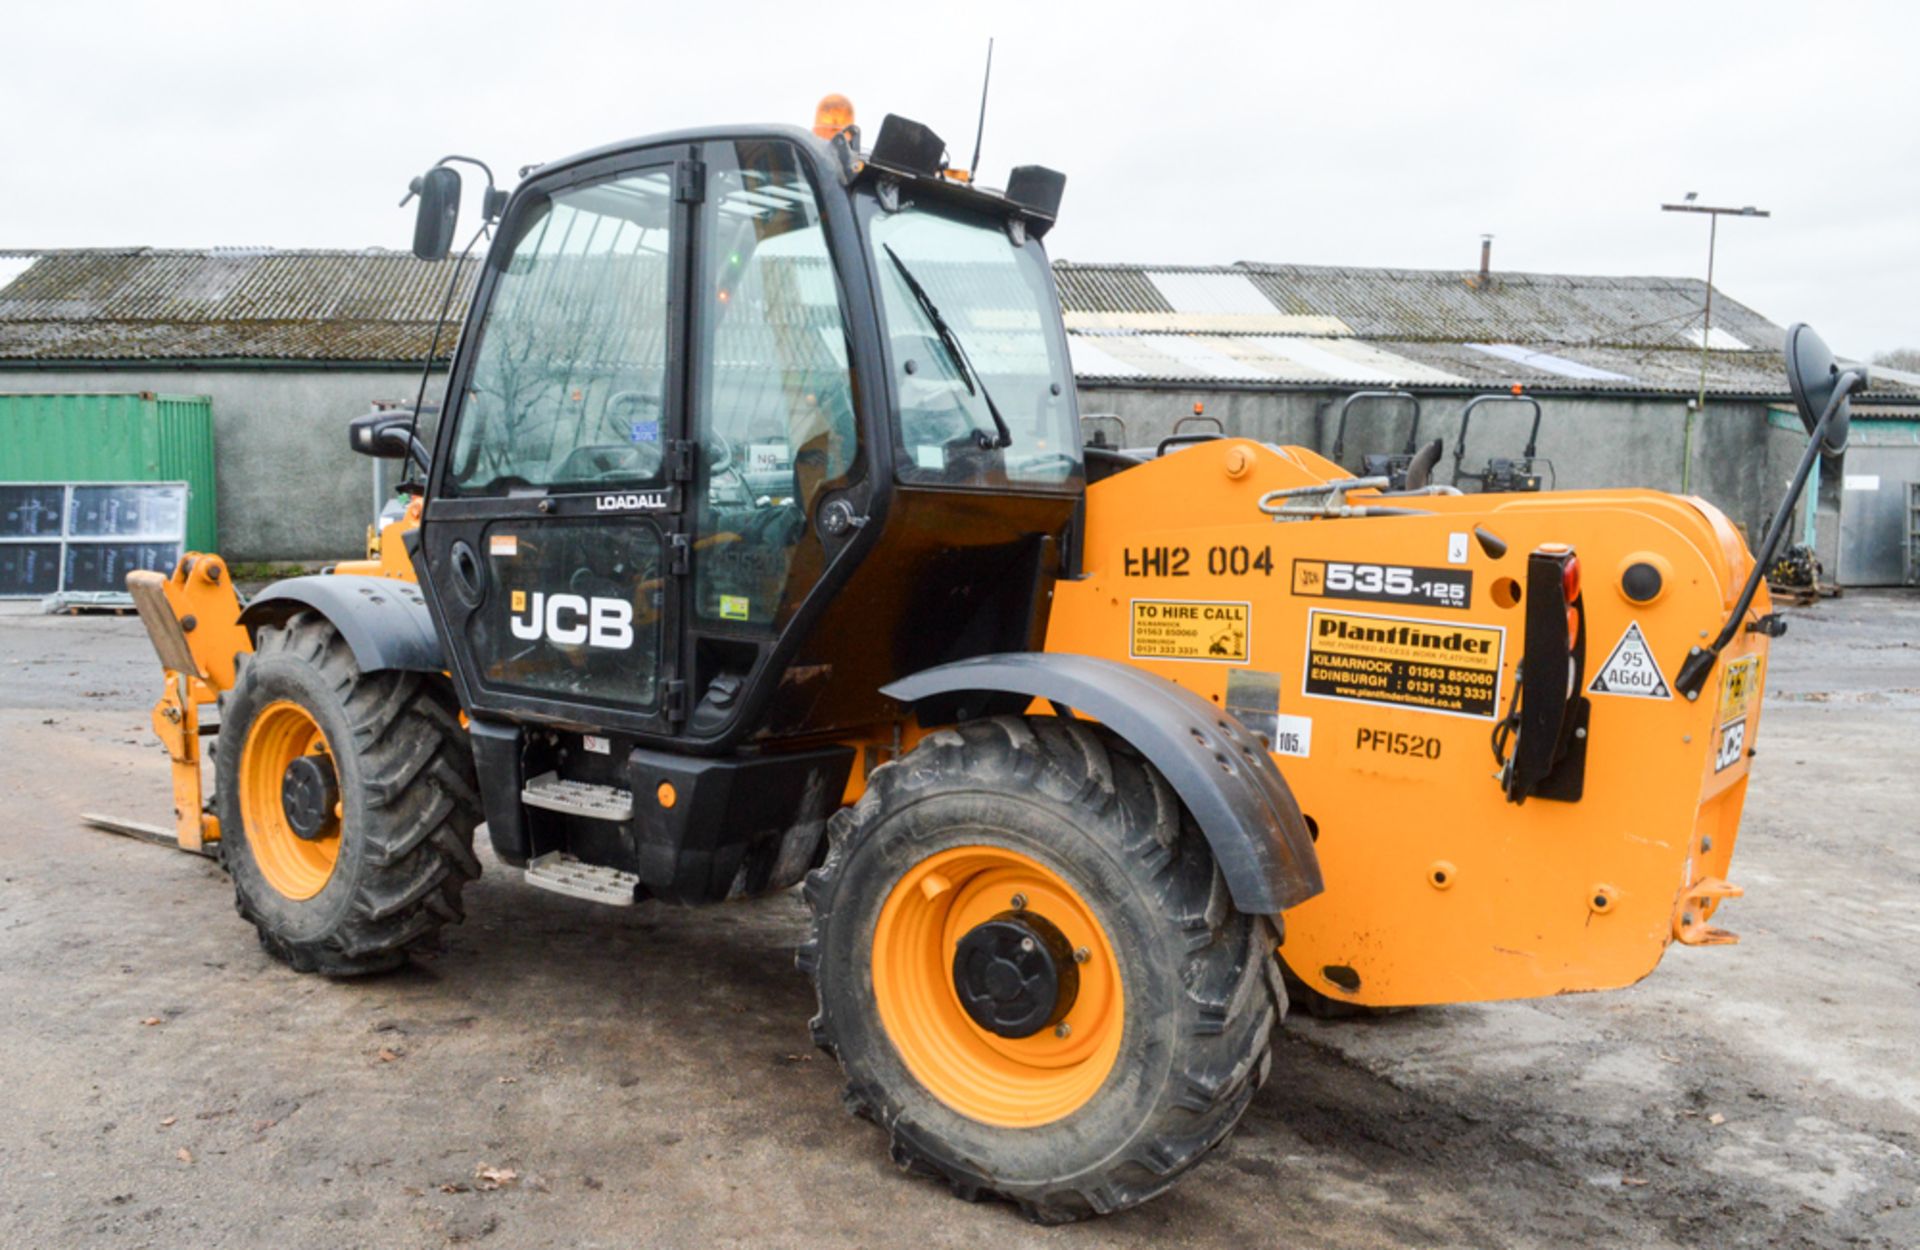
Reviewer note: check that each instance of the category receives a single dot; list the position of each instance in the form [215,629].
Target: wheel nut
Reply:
[1081,955]
[1019,901]
[1062,1029]
[1026,944]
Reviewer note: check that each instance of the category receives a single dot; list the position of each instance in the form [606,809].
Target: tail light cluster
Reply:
[1548,723]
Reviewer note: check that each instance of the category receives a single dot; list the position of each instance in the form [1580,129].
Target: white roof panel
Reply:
[1201,357]
[1231,293]
[1349,360]
[1720,340]
[1547,363]
[1091,361]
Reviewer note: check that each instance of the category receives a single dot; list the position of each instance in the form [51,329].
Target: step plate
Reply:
[563,874]
[578,798]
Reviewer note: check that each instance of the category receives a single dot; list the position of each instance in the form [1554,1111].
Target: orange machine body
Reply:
[1438,889]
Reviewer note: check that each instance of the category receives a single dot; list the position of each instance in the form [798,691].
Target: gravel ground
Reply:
[645,1073]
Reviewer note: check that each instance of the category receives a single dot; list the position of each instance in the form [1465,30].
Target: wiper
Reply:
[957,354]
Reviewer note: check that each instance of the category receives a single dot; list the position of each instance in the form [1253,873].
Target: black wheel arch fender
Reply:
[1222,773]
[384,620]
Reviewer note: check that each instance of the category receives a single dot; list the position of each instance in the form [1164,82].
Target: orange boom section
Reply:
[1378,654]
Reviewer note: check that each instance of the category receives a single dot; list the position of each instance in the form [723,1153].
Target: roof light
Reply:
[832,115]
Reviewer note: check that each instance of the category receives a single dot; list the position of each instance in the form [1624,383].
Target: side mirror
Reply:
[1812,375]
[438,214]
[385,435]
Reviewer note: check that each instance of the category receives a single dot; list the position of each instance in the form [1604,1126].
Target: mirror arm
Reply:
[417,452]
[1700,660]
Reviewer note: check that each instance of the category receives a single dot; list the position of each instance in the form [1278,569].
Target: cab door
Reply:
[552,540]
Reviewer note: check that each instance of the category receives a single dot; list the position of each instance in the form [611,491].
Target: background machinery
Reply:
[1397,467]
[1502,474]
[755,545]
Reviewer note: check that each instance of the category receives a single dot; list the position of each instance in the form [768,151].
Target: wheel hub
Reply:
[1015,974]
[308,794]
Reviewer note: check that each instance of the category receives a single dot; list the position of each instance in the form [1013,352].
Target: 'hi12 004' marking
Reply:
[1226,560]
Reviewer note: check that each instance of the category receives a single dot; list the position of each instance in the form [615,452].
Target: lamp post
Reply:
[1714,214]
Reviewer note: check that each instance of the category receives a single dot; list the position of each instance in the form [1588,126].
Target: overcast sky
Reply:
[1194,132]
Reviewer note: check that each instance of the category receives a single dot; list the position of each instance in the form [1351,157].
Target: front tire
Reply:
[1159,1046]
[347,802]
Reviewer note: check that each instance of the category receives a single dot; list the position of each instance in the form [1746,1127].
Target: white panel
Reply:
[1269,322]
[1090,361]
[1548,363]
[1212,293]
[12,267]
[1721,341]
[1350,361]
[1201,358]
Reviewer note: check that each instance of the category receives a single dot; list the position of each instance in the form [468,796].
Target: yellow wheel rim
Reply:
[1013,1082]
[297,867]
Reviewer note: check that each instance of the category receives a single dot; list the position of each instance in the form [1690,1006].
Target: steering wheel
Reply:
[609,460]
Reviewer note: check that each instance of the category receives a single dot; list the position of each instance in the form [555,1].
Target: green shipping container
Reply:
[115,438]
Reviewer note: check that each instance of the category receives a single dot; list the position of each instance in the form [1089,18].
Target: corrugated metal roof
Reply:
[1233,325]
[224,303]
[1419,327]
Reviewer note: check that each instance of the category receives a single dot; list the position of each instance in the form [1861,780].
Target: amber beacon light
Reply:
[832,115]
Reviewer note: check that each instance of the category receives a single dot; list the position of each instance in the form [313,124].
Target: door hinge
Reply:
[673,700]
[690,182]
[681,559]
[680,459]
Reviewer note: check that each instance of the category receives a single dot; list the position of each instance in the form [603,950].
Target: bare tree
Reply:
[1907,358]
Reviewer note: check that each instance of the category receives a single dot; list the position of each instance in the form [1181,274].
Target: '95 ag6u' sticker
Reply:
[1383,583]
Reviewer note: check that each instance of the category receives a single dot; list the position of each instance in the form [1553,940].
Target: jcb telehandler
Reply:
[756,544]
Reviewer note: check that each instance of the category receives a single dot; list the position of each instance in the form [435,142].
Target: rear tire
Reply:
[1197,983]
[388,870]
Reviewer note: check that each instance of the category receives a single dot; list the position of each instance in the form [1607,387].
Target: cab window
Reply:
[568,388]
[773,394]
[973,331]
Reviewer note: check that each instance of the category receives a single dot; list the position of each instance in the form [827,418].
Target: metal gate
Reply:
[75,542]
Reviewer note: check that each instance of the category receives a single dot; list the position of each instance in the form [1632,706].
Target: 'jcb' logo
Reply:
[571,620]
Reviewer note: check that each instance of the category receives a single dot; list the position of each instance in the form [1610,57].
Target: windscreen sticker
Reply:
[1435,666]
[1631,669]
[1384,583]
[1165,629]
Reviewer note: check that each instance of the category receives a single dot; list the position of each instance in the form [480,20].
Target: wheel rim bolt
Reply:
[1082,955]
[1019,901]
[1026,944]
[1062,1029]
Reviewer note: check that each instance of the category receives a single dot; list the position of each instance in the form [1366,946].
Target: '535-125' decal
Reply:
[1383,583]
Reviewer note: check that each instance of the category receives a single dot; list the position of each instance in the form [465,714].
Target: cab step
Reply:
[578,798]
[563,874]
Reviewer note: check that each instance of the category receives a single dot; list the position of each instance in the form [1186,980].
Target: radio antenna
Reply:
[973,170]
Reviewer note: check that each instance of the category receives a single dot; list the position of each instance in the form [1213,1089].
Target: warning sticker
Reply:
[1630,669]
[1165,629]
[1434,665]
[1736,687]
